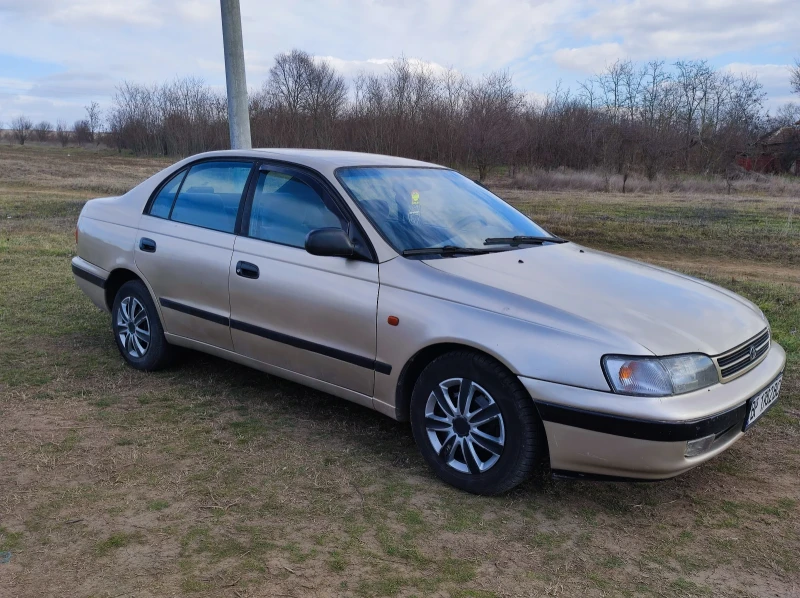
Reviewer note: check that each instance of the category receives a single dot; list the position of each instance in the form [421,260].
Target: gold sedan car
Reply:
[405,287]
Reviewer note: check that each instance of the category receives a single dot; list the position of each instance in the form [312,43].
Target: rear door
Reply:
[313,315]
[185,245]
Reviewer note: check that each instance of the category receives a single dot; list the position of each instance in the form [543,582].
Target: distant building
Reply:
[777,152]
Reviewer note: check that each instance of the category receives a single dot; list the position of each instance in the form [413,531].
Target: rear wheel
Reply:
[475,424]
[137,329]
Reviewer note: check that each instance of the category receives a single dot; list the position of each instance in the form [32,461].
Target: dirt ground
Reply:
[210,479]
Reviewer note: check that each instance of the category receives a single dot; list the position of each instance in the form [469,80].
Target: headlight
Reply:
[659,376]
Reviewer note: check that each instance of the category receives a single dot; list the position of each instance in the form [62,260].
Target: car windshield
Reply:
[416,208]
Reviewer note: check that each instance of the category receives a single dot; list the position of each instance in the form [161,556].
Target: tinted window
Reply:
[210,195]
[162,204]
[285,210]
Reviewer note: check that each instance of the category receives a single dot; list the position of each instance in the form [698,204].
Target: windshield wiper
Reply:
[447,250]
[522,240]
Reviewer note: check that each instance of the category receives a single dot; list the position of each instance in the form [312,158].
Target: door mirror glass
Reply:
[330,242]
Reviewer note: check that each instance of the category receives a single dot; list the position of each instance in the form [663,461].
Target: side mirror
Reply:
[329,241]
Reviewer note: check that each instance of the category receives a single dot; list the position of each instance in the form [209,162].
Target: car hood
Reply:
[663,311]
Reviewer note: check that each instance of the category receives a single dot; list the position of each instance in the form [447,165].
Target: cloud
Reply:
[589,59]
[73,85]
[377,66]
[95,44]
[37,108]
[474,35]
[535,97]
[11,85]
[198,10]
[83,12]
[768,74]
[129,12]
[691,28]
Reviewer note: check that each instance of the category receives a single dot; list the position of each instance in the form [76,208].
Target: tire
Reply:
[144,346]
[499,408]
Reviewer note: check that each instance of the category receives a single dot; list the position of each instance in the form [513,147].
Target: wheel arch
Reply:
[114,282]
[414,366]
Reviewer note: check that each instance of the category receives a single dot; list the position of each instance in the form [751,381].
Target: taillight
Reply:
[76,235]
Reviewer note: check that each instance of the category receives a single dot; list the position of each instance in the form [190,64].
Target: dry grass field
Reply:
[210,479]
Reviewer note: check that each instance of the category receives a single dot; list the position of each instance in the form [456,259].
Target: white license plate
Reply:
[759,404]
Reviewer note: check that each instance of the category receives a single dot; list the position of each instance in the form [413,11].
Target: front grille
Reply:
[744,357]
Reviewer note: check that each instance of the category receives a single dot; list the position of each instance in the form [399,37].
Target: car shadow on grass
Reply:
[248,391]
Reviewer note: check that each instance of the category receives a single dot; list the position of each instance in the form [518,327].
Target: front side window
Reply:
[162,204]
[210,195]
[285,210]
[432,207]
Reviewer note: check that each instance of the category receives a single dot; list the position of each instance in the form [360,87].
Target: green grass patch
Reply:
[114,542]
[9,541]
[157,505]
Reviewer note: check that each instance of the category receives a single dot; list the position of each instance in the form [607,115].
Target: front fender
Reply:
[452,312]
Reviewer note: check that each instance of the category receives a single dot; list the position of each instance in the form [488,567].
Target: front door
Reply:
[312,315]
[185,244]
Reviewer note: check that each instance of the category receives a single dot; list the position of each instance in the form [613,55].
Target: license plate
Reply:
[760,404]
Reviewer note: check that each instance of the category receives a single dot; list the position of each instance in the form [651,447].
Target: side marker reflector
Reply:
[393,320]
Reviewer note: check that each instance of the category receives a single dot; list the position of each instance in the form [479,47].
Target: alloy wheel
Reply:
[133,327]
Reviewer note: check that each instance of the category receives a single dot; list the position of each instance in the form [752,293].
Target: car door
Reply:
[185,244]
[313,315]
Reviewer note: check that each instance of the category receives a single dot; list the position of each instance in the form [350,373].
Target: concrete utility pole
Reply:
[238,114]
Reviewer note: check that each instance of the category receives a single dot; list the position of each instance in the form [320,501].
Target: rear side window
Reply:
[285,210]
[210,195]
[162,204]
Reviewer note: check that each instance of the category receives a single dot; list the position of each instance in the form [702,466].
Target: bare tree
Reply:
[693,81]
[648,118]
[21,128]
[306,96]
[794,80]
[633,81]
[134,117]
[285,90]
[490,121]
[325,97]
[653,91]
[287,79]
[82,132]
[785,115]
[735,120]
[589,92]
[42,130]
[182,117]
[453,98]
[657,112]
[93,118]
[612,83]
[62,133]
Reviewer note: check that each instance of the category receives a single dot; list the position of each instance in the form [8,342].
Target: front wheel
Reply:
[137,329]
[475,424]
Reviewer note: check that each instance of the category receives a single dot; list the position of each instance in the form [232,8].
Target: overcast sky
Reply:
[58,55]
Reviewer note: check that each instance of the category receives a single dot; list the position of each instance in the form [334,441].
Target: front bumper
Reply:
[604,434]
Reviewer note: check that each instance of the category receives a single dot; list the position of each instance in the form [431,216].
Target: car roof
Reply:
[326,160]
